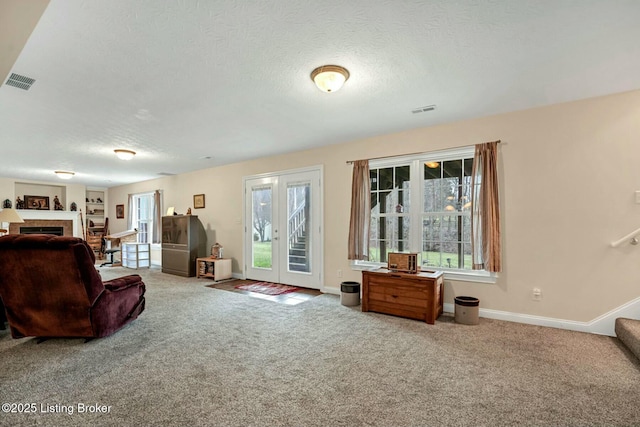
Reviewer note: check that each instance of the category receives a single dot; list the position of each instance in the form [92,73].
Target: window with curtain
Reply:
[422,203]
[142,213]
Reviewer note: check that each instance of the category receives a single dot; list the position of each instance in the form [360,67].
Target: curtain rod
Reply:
[409,154]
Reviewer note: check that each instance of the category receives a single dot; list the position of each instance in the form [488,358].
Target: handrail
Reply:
[297,223]
[631,236]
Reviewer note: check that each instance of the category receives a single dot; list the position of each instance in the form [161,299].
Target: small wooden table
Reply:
[213,268]
[415,296]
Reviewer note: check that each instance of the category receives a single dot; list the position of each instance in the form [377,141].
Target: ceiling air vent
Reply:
[166,173]
[21,82]
[423,109]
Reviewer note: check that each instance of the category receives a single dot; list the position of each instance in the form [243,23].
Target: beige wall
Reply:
[568,176]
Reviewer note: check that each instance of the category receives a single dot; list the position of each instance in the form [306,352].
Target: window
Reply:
[142,216]
[446,216]
[422,204]
[390,208]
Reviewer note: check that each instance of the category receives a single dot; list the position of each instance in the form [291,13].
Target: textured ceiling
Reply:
[181,81]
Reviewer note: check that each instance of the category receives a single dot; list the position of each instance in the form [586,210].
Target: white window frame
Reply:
[415,163]
[136,218]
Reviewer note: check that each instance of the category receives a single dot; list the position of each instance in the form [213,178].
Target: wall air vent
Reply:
[166,173]
[21,82]
[423,109]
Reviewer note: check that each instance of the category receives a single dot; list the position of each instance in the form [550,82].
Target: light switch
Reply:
[637,196]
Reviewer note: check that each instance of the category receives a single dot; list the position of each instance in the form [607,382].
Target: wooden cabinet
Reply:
[213,268]
[415,296]
[183,240]
[136,255]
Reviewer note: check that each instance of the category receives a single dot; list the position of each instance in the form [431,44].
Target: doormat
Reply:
[267,288]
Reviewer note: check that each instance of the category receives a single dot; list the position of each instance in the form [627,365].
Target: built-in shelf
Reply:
[95,220]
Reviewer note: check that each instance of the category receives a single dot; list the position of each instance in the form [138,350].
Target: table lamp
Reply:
[10,216]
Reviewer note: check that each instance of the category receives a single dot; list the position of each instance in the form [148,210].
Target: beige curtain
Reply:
[130,209]
[157,217]
[485,215]
[360,211]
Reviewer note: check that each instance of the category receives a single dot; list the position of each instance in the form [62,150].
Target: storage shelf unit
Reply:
[136,255]
[94,217]
[95,210]
[213,268]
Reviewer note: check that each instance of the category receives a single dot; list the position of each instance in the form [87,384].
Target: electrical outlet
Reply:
[537,294]
[339,273]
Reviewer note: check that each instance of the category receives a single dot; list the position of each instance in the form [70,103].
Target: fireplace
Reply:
[56,231]
[44,226]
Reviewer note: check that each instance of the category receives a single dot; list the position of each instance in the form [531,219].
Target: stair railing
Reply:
[297,222]
[631,237]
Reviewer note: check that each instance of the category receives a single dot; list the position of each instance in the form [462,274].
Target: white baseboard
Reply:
[329,290]
[601,325]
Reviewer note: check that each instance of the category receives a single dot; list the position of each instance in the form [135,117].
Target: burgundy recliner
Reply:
[50,288]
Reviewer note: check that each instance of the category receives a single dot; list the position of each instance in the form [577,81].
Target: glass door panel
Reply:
[298,226]
[262,249]
[261,235]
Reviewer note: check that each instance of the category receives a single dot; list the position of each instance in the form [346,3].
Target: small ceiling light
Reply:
[65,174]
[124,154]
[432,165]
[330,78]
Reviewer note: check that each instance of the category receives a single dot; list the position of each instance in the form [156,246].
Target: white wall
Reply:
[567,173]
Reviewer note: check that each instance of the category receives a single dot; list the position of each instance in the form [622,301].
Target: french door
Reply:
[282,228]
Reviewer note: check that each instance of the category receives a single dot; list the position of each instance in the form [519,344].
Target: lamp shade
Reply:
[329,78]
[10,215]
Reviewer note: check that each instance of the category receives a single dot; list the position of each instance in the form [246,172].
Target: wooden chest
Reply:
[415,296]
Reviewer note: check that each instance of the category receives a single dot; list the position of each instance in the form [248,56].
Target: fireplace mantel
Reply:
[31,214]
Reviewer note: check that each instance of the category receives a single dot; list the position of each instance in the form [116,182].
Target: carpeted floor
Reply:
[199,356]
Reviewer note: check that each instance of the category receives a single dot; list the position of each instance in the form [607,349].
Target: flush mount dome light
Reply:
[330,78]
[65,174]
[432,165]
[124,154]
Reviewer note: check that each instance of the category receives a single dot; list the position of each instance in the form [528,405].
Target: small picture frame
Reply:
[119,211]
[37,202]
[198,201]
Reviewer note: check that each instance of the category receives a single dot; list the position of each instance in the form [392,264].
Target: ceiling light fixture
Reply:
[432,165]
[124,154]
[330,78]
[65,174]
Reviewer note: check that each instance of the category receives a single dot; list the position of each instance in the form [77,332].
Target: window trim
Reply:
[136,219]
[416,197]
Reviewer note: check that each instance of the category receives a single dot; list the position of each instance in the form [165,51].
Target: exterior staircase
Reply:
[628,331]
[299,255]
[298,244]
